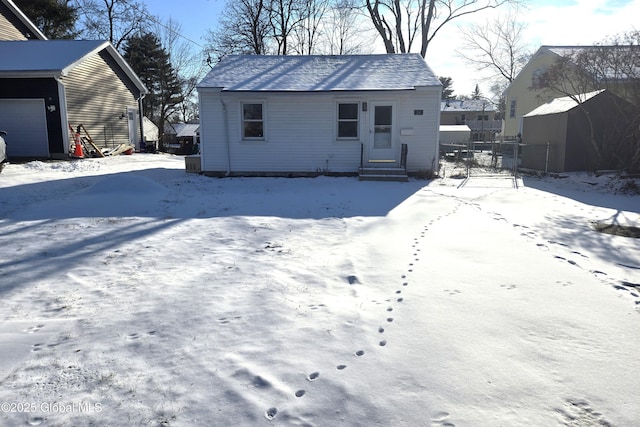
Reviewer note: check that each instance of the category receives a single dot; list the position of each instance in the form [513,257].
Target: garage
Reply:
[26,124]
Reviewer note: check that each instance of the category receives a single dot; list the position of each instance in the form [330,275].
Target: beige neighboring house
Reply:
[14,25]
[525,94]
[46,86]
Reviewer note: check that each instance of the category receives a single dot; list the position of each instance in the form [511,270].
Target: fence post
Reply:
[546,160]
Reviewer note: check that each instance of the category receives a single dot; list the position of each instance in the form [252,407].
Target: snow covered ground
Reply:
[132,293]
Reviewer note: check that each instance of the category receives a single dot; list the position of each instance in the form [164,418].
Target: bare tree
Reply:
[285,18]
[344,29]
[308,33]
[112,20]
[497,46]
[187,63]
[244,28]
[400,23]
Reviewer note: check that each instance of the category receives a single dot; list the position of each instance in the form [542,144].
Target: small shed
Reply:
[557,134]
[48,86]
[304,115]
[454,135]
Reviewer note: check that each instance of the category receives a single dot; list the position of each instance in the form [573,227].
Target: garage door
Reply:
[26,125]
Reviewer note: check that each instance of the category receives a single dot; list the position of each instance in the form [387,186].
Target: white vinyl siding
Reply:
[301,134]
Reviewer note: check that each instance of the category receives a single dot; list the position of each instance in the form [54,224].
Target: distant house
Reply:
[304,115]
[557,135]
[479,115]
[182,138]
[46,86]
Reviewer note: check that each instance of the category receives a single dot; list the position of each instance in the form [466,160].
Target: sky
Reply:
[133,293]
[549,22]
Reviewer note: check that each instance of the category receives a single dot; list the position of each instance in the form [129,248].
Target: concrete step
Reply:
[383,174]
[394,178]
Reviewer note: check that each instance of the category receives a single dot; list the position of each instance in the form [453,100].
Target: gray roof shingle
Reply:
[51,56]
[318,73]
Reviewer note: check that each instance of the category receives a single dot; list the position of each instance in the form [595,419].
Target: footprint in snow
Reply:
[135,335]
[34,328]
[35,421]
[313,376]
[271,413]
[439,419]
[300,393]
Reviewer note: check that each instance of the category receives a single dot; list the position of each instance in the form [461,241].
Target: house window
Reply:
[483,117]
[348,120]
[512,109]
[536,78]
[252,121]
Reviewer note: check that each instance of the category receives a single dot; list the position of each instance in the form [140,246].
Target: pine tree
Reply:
[152,64]
[55,18]
[476,94]
[447,88]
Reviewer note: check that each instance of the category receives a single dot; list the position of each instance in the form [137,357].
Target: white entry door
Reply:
[382,145]
[132,118]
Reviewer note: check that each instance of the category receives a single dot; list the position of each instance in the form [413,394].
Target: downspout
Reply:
[226,135]
[141,119]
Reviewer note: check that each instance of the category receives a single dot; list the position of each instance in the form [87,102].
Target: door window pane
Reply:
[382,127]
[383,115]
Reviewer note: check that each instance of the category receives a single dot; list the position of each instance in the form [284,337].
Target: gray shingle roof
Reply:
[466,105]
[44,56]
[55,58]
[316,73]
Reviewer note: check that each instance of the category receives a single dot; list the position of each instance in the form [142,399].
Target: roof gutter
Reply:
[16,74]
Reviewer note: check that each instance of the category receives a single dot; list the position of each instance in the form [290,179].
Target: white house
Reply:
[305,115]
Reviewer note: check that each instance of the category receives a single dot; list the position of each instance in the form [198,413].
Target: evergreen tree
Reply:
[476,94]
[55,18]
[152,64]
[447,88]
